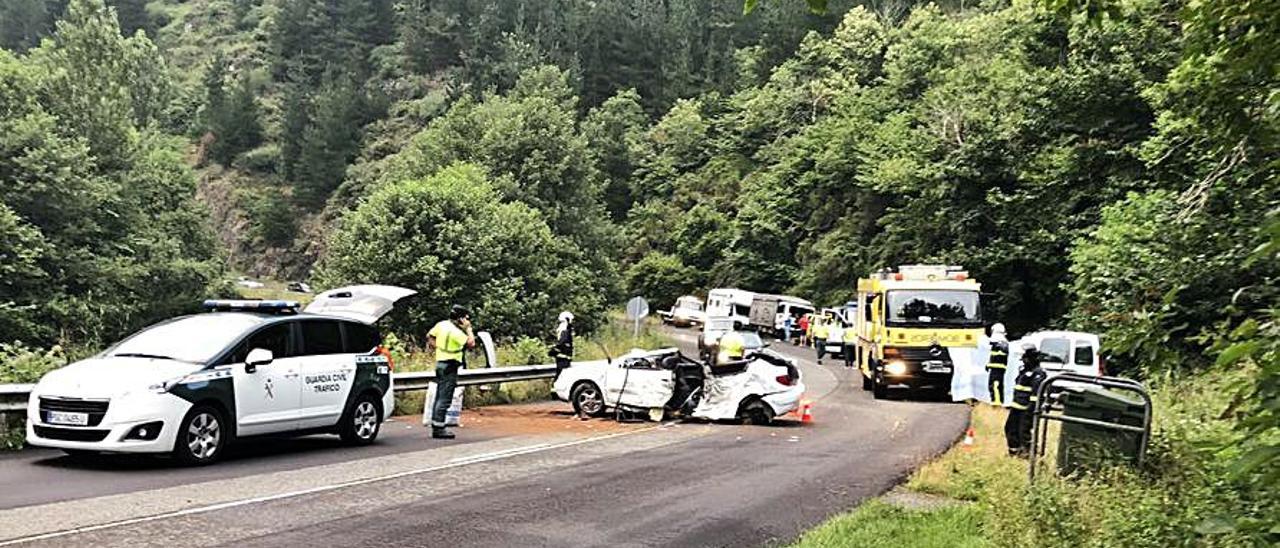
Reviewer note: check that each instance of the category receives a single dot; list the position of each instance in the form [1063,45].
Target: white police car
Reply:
[190,385]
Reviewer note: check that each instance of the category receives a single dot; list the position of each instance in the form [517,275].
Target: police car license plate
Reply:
[936,366]
[74,419]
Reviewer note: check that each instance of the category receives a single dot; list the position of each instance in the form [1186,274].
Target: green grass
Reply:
[879,524]
[1184,488]
[274,290]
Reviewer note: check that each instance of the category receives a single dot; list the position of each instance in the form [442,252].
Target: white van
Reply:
[1063,351]
[735,304]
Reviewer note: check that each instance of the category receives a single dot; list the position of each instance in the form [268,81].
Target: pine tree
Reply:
[231,118]
[297,115]
[330,140]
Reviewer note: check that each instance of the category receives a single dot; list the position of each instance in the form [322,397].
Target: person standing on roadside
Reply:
[563,349]
[997,364]
[1017,427]
[820,329]
[804,329]
[448,340]
[850,345]
[787,322]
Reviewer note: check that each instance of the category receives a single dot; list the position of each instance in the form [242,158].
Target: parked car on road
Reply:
[757,389]
[190,385]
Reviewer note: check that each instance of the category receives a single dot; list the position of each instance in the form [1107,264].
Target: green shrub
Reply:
[1171,501]
[451,237]
[525,351]
[22,364]
[263,159]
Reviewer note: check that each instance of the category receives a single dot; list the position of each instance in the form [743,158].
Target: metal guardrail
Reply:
[13,397]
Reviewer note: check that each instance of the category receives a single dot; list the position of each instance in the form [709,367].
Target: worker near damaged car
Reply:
[562,351]
[448,340]
[732,347]
[997,364]
[1017,427]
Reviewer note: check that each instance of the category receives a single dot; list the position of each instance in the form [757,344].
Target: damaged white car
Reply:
[666,383]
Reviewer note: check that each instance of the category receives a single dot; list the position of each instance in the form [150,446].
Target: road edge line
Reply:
[461,461]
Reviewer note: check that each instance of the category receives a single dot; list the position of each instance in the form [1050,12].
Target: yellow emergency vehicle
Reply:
[909,318]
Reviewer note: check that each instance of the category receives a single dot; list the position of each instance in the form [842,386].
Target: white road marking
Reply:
[462,461]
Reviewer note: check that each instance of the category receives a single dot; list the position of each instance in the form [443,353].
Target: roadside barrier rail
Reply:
[13,397]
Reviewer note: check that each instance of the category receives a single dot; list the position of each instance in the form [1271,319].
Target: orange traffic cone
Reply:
[968,436]
[806,412]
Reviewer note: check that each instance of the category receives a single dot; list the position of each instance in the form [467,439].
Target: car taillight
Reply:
[391,364]
[784,380]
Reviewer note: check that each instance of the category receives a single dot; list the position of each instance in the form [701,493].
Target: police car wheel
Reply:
[587,399]
[361,422]
[201,436]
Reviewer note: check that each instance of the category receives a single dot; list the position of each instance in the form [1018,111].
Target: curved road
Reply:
[676,484]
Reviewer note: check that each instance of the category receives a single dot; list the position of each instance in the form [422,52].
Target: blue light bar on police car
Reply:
[270,307]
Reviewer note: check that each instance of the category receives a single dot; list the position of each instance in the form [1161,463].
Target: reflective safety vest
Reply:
[731,346]
[999,355]
[1025,387]
[451,341]
[821,330]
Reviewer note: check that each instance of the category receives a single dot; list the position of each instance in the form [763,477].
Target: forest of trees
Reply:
[1107,165]
[1100,172]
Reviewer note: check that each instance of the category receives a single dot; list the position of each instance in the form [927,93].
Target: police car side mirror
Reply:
[257,357]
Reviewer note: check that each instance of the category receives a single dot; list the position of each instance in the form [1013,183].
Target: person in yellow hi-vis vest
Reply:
[449,339]
[731,347]
[821,329]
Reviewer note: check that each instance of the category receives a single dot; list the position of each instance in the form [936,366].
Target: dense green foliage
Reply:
[1108,165]
[97,214]
[449,237]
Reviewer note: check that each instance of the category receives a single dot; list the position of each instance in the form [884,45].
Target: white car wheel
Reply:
[201,436]
[587,399]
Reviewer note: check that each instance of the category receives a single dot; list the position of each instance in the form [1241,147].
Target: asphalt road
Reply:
[678,484]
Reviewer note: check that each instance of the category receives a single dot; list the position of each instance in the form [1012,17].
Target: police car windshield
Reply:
[195,339]
[933,306]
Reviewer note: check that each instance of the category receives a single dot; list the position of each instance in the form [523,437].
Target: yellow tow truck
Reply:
[909,318]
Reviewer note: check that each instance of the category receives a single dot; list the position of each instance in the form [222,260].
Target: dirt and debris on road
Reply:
[536,418]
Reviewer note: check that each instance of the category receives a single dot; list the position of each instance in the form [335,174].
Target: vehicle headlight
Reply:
[163,387]
[895,367]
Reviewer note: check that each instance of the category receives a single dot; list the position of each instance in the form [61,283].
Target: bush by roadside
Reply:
[20,363]
[1182,496]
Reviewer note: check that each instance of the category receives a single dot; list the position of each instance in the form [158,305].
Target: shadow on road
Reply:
[259,449]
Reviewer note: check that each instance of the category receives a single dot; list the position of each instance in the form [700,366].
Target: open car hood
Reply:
[364,303]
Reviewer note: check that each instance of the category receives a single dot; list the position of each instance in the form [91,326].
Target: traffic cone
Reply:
[806,412]
[968,436]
